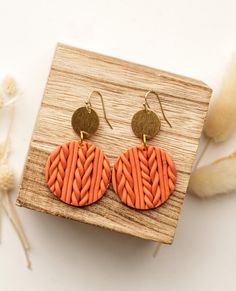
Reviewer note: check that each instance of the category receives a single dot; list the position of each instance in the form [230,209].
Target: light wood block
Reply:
[73,75]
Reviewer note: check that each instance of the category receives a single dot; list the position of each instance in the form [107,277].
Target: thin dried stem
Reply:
[16,218]
[7,140]
[19,235]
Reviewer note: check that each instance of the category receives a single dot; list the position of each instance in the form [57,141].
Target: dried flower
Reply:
[7,178]
[216,178]
[9,86]
[221,119]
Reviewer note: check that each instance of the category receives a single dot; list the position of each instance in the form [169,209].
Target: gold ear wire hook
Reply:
[146,105]
[89,105]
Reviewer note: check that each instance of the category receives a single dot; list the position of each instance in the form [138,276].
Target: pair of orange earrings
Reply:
[144,176]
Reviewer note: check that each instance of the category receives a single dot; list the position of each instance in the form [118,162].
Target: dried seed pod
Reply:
[7,178]
[9,86]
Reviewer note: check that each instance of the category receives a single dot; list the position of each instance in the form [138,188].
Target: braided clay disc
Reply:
[78,173]
[143,177]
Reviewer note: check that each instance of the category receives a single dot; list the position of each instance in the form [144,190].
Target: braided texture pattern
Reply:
[78,173]
[143,177]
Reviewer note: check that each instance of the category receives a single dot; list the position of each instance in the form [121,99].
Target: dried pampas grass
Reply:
[216,178]
[221,119]
[9,86]
[9,92]
[7,177]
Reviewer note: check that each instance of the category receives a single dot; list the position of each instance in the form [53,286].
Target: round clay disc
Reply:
[144,177]
[78,173]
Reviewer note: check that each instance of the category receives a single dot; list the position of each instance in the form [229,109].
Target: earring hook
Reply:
[146,105]
[89,105]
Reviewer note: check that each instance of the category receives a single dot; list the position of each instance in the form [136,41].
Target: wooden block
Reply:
[73,75]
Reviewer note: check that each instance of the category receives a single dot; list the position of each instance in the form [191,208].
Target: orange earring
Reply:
[144,176]
[78,172]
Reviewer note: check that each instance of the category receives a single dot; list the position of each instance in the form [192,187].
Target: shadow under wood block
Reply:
[73,75]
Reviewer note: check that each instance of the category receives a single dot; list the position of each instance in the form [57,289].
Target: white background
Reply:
[193,38]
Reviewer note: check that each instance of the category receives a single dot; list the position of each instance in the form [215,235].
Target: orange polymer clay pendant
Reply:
[78,173]
[144,177]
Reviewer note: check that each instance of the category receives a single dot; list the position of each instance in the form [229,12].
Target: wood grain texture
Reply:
[74,74]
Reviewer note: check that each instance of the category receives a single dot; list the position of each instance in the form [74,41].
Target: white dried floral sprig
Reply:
[220,176]
[7,177]
[216,178]
[9,86]
[221,118]
[9,90]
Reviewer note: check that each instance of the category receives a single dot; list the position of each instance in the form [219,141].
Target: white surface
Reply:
[194,38]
